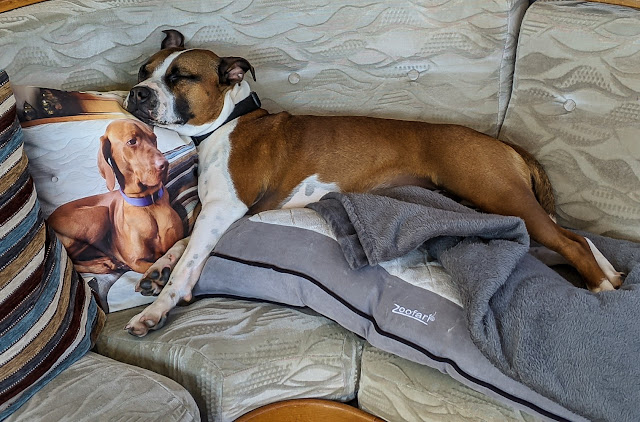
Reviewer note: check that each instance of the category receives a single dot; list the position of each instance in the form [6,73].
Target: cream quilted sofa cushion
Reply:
[399,390]
[234,356]
[97,388]
[439,61]
[575,107]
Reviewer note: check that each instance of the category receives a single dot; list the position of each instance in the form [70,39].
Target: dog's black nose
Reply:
[140,94]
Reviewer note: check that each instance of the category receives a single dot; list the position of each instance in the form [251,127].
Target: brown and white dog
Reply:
[259,161]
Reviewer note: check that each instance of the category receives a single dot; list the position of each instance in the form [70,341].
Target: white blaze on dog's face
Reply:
[176,88]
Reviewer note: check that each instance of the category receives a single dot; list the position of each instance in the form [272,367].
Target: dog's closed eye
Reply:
[176,76]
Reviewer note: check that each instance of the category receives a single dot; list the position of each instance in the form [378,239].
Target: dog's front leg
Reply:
[214,219]
[155,278]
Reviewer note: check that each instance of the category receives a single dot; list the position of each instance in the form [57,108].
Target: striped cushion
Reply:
[48,315]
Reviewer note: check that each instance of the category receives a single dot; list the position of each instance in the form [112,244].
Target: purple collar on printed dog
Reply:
[145,201]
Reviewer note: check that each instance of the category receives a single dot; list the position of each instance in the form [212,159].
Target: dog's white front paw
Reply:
[148,320]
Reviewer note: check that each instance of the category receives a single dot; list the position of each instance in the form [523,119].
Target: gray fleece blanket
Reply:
[577,348]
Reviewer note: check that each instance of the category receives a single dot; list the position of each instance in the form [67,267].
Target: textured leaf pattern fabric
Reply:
[399,59]
[234,356]
[96,388]
[575,107]
[397,389]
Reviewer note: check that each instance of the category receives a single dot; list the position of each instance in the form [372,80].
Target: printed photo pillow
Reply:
[118,193]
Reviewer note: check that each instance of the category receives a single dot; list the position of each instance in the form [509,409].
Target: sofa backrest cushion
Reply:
[435,61]
[575,107]
[48,314]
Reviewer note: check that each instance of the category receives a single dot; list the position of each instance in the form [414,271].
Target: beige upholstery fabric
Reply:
[575,107]
[399,390]
[97,388]
[438,61]
[234,356]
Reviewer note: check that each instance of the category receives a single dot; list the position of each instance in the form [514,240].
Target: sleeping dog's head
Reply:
[185,89]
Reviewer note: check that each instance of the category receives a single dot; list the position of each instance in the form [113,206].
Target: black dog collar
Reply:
[246,106]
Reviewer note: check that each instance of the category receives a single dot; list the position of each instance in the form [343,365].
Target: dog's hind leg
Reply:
[594,268]
[615,277]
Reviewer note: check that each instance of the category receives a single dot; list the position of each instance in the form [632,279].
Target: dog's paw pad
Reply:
[146,287]
[153,282]
[164,275]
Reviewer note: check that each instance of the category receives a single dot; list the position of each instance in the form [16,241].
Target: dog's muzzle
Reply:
[141,102]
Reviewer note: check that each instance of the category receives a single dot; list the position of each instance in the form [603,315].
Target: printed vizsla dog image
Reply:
[133,224]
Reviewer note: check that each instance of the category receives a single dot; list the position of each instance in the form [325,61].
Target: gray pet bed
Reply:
[523,333]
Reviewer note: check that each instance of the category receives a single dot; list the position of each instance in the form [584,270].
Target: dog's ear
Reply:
[172,39]
[231,70]
[104,155]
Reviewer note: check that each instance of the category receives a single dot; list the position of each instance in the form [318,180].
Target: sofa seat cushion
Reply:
[96,388]
[575,107]
[234,356]
[397,389]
